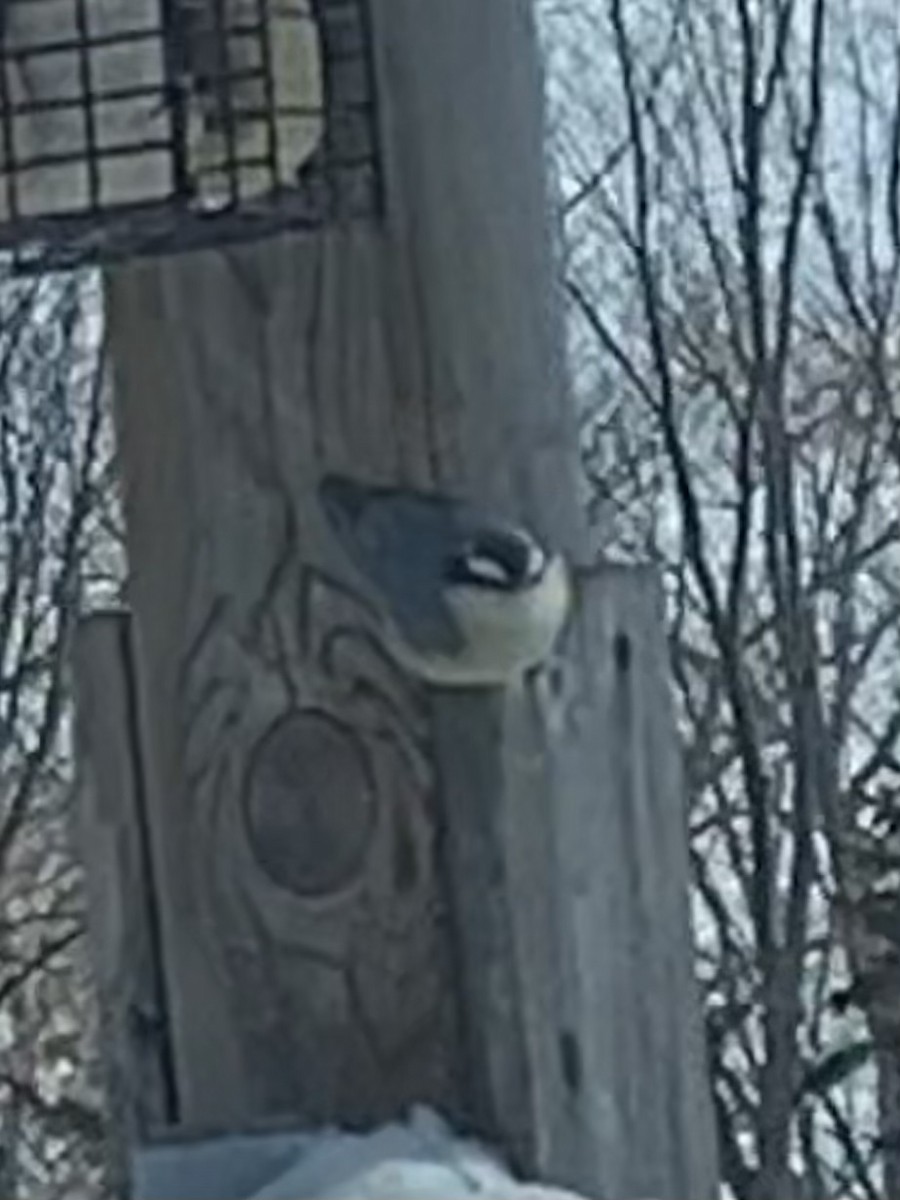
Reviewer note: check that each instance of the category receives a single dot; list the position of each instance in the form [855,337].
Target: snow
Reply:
[419,1159]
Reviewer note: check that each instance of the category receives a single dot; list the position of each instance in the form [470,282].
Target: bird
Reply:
[468,600]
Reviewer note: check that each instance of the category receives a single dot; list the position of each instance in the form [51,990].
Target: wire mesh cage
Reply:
[136,127]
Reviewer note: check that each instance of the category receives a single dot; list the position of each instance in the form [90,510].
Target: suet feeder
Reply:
[138,127]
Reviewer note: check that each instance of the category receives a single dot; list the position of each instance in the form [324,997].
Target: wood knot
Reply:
[622,652]
[570,1060]
[309,803]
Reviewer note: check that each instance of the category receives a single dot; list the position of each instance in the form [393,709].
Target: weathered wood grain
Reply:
[292,783]
[567,853]
[110,830]
[345,862]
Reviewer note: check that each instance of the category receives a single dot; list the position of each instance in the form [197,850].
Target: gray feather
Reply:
[399,539]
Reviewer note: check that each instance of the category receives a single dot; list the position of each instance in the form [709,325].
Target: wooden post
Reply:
[369,895]
[568,856]
[111,833]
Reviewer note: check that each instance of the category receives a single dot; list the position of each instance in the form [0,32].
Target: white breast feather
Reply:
[505,633]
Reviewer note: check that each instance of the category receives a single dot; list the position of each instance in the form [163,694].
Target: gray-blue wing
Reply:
[401,541]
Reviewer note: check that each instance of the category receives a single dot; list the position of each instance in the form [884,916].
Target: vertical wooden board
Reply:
[470,257]
[291,784]
[568,857]
[240,376]
[470,736]
[109,833]
[629,992]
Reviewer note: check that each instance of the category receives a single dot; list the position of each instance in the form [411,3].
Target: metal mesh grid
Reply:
[136,127]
